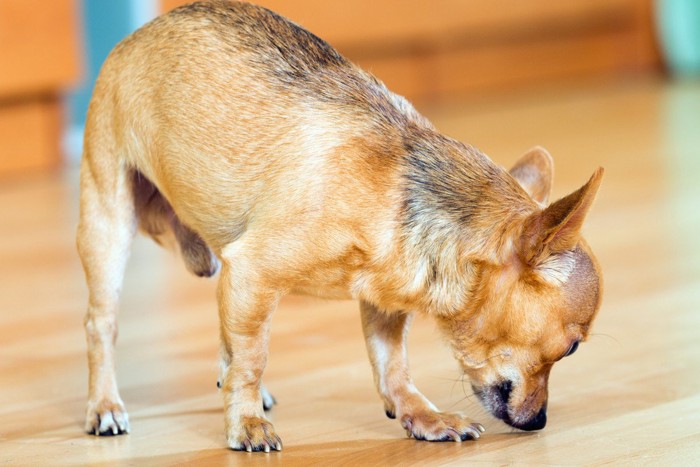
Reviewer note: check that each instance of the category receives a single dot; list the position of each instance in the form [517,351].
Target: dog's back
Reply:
[216,101]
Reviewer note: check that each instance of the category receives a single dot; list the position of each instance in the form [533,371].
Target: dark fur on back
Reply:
[296,61]
[454,192]
[291,51]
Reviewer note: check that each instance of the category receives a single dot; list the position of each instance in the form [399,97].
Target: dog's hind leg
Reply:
[157,218]
[196,254]
[105,232]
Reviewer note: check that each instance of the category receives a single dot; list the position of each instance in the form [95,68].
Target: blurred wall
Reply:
[39,61]
[679,28]
[105,23]
[425,50]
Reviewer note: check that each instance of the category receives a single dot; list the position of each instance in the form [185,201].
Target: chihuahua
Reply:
[260,152]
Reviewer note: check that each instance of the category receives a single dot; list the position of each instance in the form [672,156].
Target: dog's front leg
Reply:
[246,305]
[385,335]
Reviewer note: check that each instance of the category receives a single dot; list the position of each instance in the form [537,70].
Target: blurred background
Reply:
[610,83]
[51,51]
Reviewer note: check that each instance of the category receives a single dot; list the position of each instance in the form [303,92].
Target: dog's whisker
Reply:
[471,402]
[613,338]
[464,389]
[481,363]
[454,383]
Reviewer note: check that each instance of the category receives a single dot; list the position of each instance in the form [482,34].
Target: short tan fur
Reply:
[263,153]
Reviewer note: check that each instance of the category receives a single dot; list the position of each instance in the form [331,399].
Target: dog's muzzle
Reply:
[495,399]
[536,423]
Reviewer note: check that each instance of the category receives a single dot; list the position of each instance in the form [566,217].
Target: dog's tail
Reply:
[157,219]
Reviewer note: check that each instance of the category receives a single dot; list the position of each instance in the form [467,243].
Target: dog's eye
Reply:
[572,349]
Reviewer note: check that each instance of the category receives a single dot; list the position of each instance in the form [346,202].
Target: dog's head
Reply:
[536,307]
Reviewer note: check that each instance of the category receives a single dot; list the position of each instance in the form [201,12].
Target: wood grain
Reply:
[630,395]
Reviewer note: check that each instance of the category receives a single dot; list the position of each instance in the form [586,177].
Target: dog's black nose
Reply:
[536,423]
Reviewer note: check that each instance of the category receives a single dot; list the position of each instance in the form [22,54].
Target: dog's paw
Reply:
[253,434]
[106,418]
[438,426]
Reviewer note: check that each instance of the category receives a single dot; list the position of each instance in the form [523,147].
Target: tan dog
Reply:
[259,148]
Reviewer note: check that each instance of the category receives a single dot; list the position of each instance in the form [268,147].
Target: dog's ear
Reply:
[556,228]
[535,172]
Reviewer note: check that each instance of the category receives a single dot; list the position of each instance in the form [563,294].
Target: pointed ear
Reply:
[535,172]
[556,228]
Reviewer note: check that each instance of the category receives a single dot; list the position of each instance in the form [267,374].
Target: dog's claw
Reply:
[253,434]
[106,419]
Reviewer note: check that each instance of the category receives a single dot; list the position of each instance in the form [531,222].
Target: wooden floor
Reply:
[630,395]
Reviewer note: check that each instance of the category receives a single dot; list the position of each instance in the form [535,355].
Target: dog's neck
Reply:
[459,212]
[457,194]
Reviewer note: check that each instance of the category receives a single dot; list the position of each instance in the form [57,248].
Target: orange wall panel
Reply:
[39,58]
[38,46]
[29,135]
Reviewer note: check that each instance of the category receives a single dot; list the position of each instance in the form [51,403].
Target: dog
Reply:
[264,154]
